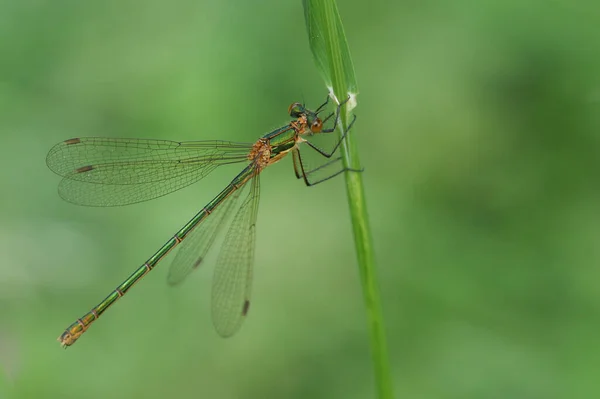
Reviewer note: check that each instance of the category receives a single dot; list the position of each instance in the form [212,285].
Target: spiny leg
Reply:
[296,162]
[327,102]
[298,167]
[323,105]
[329,154]
[337,115]
[305,173]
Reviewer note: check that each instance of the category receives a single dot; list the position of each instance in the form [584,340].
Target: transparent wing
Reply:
[194,249]
[232,281]
[110,172]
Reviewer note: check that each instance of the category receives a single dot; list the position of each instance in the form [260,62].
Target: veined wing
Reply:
[232,281]
[109,172]
[199,241]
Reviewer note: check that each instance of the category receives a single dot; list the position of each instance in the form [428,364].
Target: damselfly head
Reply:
[309,118]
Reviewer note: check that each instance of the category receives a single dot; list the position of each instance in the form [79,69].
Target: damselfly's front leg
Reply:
[337,144]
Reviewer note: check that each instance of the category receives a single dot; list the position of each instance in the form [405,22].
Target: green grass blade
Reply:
[332,57]
[329,46]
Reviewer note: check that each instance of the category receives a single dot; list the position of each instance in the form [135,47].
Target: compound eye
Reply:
[295,110]
[316,126]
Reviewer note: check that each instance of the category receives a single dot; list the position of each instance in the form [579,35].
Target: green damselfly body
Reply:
[106,172]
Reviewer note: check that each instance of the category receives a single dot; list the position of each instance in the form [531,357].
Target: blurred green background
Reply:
[479,129]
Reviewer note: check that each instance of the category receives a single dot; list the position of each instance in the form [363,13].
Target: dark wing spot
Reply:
[84,169]
[197,262]
[246,307]
[72,141]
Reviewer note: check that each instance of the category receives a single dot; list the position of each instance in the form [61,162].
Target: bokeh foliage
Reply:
[479,130]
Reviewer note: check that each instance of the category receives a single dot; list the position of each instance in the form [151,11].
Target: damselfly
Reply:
[111,172]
